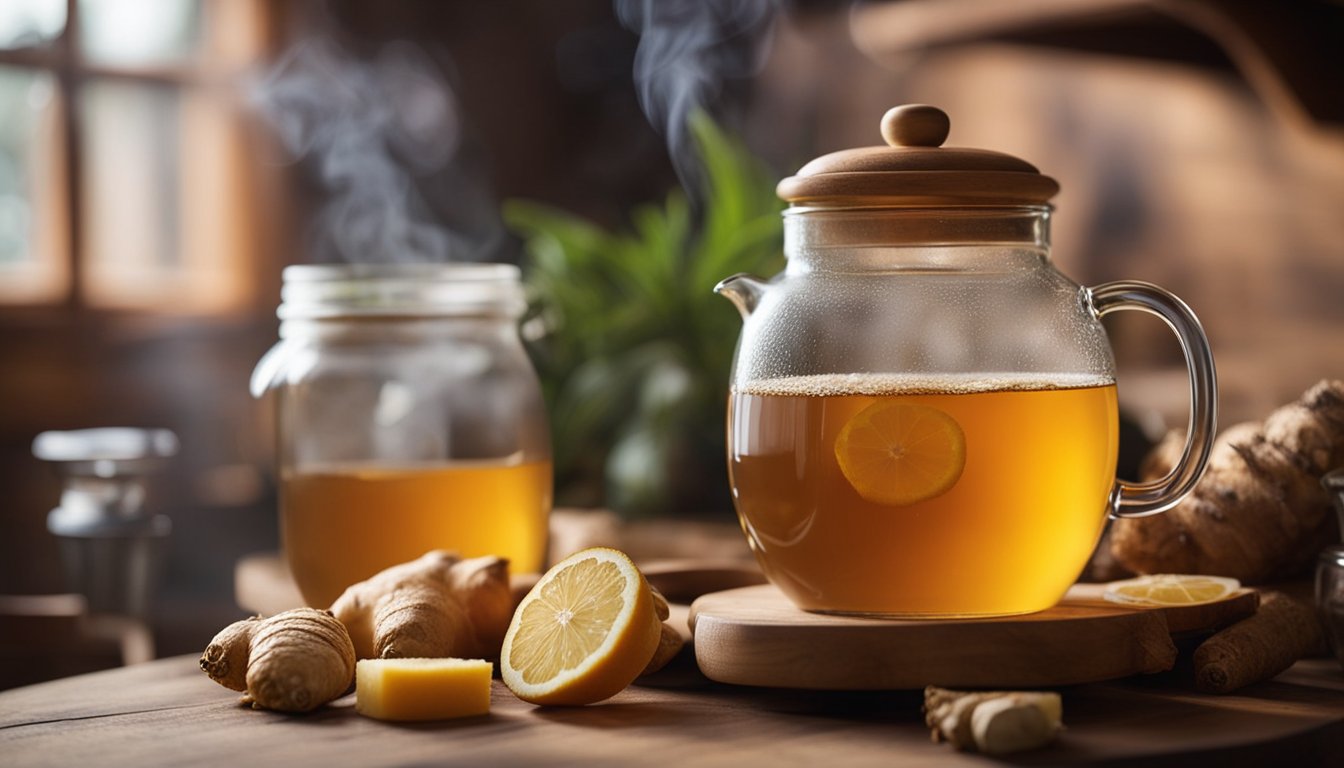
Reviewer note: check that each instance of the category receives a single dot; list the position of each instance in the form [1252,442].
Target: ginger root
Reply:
[670,641]
[1258,647]
[295,661]
[994,722]
[437,606]
[1259,513]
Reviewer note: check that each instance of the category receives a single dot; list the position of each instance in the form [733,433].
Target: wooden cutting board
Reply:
[755,636]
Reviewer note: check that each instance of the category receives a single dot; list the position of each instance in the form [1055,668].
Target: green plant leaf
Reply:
[636,350]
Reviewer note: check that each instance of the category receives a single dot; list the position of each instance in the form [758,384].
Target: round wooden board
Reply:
[755,636]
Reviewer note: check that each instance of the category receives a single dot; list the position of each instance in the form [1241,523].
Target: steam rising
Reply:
[687,50]
[379,133]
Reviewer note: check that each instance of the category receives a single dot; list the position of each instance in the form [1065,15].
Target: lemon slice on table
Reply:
[901,453]
[584,632]
[1170,589]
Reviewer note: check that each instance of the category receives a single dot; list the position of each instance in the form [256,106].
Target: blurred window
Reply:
[33,245]
[140,31]
[122,153]
[29,23]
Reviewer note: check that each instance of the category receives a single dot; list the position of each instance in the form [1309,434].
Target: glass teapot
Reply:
[923,418]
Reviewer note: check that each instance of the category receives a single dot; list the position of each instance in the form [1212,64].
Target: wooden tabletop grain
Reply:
[166,713]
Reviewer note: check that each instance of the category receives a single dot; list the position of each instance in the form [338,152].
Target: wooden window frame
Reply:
[215,76]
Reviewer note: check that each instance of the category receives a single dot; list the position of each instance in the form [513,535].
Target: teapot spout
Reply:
[744,290]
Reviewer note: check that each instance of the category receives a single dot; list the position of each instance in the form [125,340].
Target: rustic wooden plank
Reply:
[168,713]
[180,718]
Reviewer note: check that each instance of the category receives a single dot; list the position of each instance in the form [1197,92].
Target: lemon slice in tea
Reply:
[584,632]
[1170,589]
[901,453]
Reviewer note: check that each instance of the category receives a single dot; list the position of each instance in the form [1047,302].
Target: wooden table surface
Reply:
[168,713]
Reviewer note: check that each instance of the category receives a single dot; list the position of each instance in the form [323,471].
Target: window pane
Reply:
[130,193]
[161,201]
[26,23]
[139,32]
[32,192]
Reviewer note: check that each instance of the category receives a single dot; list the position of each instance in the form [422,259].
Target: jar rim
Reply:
[312,273]
[332,291]
[918,211]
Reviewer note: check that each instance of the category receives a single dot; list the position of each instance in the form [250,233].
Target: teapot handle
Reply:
[1149,498]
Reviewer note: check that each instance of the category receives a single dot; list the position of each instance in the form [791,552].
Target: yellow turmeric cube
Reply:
[422,689]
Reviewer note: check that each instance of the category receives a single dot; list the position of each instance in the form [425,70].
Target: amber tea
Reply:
[344,523]
[894,495]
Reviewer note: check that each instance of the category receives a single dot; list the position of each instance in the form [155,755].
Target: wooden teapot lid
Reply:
[915,170]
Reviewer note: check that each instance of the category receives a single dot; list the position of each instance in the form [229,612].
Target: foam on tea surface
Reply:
[894,384]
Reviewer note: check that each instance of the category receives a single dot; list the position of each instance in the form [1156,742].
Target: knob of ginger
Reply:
[993,722]
[1259,513]
[436,606]
[294,661]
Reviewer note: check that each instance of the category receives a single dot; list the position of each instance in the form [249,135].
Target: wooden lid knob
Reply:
[914,169]
[915,125]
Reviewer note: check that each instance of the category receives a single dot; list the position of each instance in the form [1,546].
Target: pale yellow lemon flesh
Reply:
[584,632]
[1171,589]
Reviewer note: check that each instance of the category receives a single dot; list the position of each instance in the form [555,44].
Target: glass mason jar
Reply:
[923,417]
[409,418]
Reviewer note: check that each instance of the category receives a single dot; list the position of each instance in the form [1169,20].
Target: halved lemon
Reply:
[1170,589]
[584,632]
[901,453]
